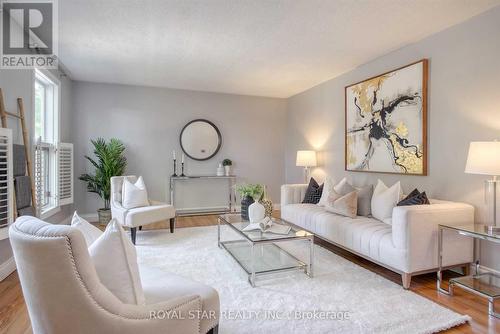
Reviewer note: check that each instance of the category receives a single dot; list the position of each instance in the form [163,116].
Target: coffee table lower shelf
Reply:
[262,258]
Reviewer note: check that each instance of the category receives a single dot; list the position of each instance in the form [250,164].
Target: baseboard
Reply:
[7,268]
[200,210]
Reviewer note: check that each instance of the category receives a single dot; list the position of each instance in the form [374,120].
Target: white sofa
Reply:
[64,295]
[407,246]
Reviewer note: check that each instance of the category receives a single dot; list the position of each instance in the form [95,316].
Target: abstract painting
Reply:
[385,118]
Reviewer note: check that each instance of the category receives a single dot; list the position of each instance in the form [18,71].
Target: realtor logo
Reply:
[29,34]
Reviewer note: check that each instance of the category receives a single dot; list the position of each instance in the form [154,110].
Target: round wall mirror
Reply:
[200,139]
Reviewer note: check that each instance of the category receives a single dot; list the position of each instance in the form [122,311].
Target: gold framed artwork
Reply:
[386,122]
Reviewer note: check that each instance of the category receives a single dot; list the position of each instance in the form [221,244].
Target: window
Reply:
[46,136]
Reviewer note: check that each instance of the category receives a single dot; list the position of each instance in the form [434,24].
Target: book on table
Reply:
[267,225]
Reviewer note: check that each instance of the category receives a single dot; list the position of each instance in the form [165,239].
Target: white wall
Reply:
[463,106]
[149,122]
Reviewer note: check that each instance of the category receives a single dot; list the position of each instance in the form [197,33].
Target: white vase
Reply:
[227,170]
[220,170]
[256,212]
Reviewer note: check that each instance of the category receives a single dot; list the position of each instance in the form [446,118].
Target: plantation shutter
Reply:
[6,178]
[65,171]
[39,167]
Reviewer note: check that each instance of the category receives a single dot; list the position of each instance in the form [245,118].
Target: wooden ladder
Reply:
[3,115]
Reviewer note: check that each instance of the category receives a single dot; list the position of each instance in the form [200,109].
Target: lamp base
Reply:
[306,175]
[491,201]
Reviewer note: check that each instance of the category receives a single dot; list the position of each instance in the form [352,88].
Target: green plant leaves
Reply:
[109,161]
[251,190]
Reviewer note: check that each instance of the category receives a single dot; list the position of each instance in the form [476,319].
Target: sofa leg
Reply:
[133,231]
[214,330]
[172,225]
[140,228]
[406,280]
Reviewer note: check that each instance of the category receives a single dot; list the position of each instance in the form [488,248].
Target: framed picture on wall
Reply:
[386,122]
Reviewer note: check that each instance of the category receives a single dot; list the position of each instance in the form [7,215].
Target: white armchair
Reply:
[64,295]
[138,217]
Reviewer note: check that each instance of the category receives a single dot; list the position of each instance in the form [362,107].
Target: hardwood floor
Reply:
[14,316]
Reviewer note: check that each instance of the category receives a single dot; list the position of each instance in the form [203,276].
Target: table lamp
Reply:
[306,159]
[484,159]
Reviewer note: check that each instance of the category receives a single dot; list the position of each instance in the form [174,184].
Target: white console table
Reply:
[231,204]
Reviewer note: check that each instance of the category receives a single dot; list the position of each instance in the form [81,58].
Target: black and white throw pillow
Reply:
[313,192]
[415,198]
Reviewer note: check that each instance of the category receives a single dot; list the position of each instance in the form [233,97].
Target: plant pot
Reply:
[104,216]
[227,169]
[245,203]
[256,212]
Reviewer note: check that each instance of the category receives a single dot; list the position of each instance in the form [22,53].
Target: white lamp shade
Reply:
[483,158]
[306,158]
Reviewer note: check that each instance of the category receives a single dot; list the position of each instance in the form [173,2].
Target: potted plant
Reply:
[227,163]
[109,161]
[249,193]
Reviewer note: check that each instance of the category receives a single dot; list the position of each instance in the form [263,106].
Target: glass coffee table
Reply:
[259,253]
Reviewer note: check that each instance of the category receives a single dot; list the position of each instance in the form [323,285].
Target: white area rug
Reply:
[373,304]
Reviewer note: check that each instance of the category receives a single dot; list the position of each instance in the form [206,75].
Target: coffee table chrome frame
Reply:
[252,273]
[452,284]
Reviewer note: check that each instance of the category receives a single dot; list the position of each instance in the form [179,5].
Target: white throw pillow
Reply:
[343,187]
[115,261]
[327,188]
[339,186]
[134,195]
[89,231]
[384,199]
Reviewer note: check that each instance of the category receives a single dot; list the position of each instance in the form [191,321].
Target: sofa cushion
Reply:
[327,188]
[159,286]
[343,187]
[364,235]
[149,214]
[89,231]
[134,195]
[345,205]
[415,198]
[115,261]
[365,200]
[313,192]
[384,199]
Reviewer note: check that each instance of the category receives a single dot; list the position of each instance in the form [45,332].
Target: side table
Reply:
[485,284]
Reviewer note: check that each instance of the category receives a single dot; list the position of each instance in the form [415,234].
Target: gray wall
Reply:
[463,106]
[149,121]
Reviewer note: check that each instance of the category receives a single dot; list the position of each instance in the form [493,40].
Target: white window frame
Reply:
[47,78]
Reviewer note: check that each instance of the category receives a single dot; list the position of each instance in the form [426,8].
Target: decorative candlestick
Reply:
[175,168]
[182,165]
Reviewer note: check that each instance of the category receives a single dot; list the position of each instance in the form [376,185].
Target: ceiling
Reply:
[274,48]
